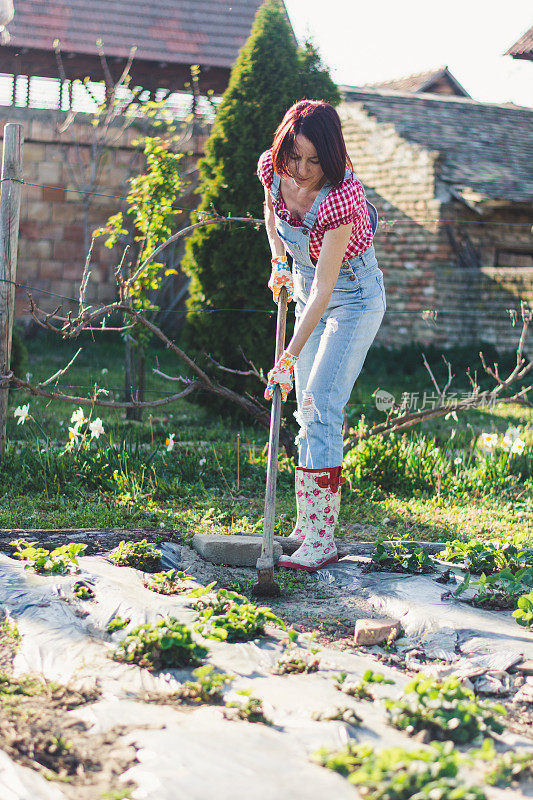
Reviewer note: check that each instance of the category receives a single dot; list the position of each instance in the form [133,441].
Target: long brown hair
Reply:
[319,122]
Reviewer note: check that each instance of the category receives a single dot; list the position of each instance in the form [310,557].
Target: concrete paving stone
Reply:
[233,551]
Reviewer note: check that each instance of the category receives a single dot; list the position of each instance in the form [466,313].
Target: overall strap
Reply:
[372,210]
[310,217]
[274,187]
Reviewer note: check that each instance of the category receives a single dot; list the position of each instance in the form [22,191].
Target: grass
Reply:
[213,480]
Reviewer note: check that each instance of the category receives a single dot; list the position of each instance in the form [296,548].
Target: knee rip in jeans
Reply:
[332,325]
[306,415]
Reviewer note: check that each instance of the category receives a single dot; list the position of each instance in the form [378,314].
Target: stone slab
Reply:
[375,631]
[232,551]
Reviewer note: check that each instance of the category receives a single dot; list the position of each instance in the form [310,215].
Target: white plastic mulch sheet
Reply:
[193,753]
[425,606]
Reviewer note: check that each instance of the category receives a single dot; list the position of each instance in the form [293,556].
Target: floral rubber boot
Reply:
[322,496]
[298,534]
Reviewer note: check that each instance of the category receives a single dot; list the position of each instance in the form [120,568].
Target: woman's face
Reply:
[304,166]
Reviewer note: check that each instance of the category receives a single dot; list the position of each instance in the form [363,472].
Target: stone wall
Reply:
[423,270]
[52,249]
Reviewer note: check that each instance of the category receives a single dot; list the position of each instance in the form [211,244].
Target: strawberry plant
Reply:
[398,556]
[139,555]
[360,690]
[56,562]
[524,610]
[445,709]
[499,590]
[291,662]
[250,711]
[229,616]
[167,643]
[208,686]
[116,624]
[478,555]
[397,774]
[173,581]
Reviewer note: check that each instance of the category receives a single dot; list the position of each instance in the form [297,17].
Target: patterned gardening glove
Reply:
[281,276]
[282,374]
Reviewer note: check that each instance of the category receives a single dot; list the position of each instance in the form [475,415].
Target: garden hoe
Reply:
[266,585]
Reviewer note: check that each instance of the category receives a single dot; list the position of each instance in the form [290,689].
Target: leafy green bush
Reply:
[478,555]
[398,556]
[139,555]
[167,643]
[397,774]
[445,709]
[56,562]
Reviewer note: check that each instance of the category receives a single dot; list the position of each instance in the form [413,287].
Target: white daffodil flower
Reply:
[22,412]
[96,428]
[458,460]
[73,433]
[169,442]
[488,441]
[78,416]
[201,462]
[518,446]
[511,434]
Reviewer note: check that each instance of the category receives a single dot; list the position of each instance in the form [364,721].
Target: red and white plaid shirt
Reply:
[340,207]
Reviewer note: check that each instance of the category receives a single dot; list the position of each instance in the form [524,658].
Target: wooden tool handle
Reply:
[266,559]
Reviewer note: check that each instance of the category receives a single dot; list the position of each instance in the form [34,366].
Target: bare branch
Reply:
[60,372]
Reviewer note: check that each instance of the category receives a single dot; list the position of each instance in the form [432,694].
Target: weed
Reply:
[139,555]
[397,774]
[360,690]
[117,624]
[172,582]
[445,709]
[208,686]
[397,556]
[250,711]
[57,562]
[167,643]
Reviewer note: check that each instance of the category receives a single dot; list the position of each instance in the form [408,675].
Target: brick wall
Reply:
[51,239]
[422,270]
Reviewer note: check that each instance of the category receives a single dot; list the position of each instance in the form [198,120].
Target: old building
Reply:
[53,48]
[437,81]
[453,181]
[523,48]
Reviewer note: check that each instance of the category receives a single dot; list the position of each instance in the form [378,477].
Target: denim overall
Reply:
[333,356]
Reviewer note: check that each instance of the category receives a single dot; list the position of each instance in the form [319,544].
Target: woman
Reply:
[316,211]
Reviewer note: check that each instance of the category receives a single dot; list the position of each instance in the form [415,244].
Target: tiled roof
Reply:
[205,32]
[523,48]
[484,147]
[421,82]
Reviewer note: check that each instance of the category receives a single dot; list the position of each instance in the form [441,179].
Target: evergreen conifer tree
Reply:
[229,265]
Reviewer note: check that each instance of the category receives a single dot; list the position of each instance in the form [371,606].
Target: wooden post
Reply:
[9,233]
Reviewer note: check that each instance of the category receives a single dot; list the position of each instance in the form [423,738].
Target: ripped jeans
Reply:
[333,356]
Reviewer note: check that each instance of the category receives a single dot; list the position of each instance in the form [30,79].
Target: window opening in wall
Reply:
[513,258]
